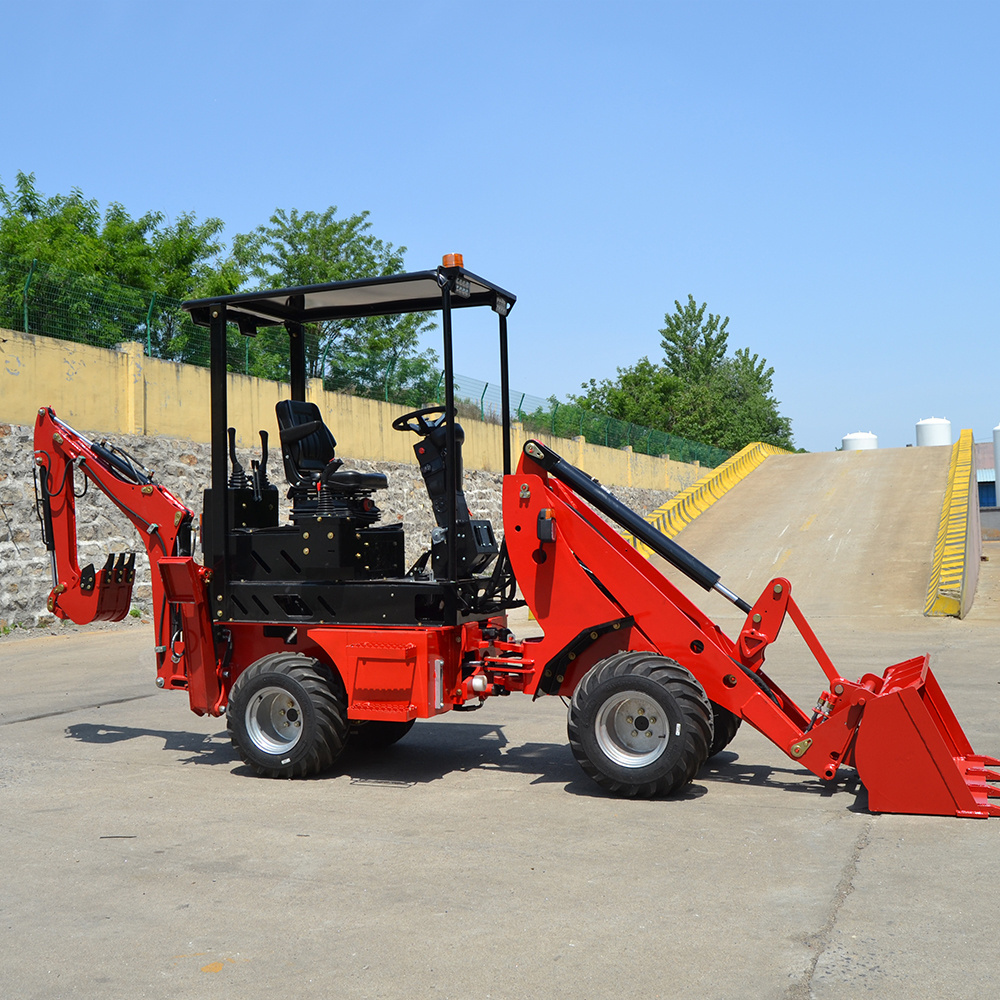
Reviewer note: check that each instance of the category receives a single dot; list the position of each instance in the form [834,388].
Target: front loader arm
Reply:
[578,575]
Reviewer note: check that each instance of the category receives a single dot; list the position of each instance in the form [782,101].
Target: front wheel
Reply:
[640,724]
[287,717]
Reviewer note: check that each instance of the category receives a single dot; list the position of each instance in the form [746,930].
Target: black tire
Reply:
[287,716]
[726,725]
[610,745]
[375,735]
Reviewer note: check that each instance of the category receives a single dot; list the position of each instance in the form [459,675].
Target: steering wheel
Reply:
[416,420]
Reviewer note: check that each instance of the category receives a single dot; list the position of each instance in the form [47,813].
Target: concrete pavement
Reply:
[854,531]
[473,859]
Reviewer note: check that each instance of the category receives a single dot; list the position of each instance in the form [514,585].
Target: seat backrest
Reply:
[306,442]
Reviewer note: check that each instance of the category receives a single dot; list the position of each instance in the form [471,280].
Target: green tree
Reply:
[693,346]
[644,394]
[94,275]
[734,406]
[179,259]
[698,392]
[376,357]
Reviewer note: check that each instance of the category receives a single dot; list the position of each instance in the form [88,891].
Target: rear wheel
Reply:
[287,716]
[640,724]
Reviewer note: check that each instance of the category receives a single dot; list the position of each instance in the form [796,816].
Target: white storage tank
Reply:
[933,431]
[859,441]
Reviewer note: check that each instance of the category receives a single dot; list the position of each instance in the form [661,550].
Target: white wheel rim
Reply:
[632,729]
[273,720]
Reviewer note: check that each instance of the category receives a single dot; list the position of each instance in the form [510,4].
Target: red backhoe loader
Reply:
[312,633]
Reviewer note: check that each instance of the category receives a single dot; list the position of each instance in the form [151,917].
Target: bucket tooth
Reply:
[114,588]
[982,772]
[988,790]
[980,759]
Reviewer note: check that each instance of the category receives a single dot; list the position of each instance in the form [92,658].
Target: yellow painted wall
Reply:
[114,392]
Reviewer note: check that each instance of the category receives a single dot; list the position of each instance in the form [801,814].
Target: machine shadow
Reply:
[431,752]
[726,767]
[427,753]
[214,748]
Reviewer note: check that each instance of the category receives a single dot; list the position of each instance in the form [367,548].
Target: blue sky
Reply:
[825,174]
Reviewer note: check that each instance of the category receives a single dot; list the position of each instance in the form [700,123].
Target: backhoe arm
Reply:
[84,594]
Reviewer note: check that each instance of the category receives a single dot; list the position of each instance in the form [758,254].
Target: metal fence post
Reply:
[388,375]
[149,326]
[24,294]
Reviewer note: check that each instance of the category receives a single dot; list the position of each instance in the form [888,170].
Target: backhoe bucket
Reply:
[114,587]
[102,596]
[911,753]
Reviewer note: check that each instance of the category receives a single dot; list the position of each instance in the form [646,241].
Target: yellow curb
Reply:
[679,512]
[949,590]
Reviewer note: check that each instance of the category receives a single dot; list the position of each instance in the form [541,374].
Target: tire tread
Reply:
[697,735]
[329,702]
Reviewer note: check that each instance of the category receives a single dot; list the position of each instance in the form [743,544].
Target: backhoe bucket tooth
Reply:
[114,587]
[913,756]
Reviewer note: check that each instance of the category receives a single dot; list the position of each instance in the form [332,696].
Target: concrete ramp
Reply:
[853,531]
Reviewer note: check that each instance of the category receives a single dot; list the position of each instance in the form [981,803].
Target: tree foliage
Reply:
[699,391]
[643,394]
[181,259]
[111,277]
[693,347]
[378,356]
[102,270]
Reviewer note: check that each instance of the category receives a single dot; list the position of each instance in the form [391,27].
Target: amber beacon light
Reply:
[452,260]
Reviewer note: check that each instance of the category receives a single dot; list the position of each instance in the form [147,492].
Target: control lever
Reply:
[259,469]
[238,480]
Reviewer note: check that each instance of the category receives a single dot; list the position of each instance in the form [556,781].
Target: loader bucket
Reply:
[911,753]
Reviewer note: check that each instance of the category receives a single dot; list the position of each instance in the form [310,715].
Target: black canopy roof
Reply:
[419,291]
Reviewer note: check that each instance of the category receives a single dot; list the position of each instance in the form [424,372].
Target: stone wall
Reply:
[184,467]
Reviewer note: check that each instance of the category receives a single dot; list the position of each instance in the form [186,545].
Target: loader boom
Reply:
[575,570]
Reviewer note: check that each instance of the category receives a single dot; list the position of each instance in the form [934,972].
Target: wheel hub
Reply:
[631,729]
[274,720]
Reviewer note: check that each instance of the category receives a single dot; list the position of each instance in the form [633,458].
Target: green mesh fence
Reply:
[568,420]
[53,302]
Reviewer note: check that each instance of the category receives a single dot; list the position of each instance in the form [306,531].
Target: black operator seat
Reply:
[308,453]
